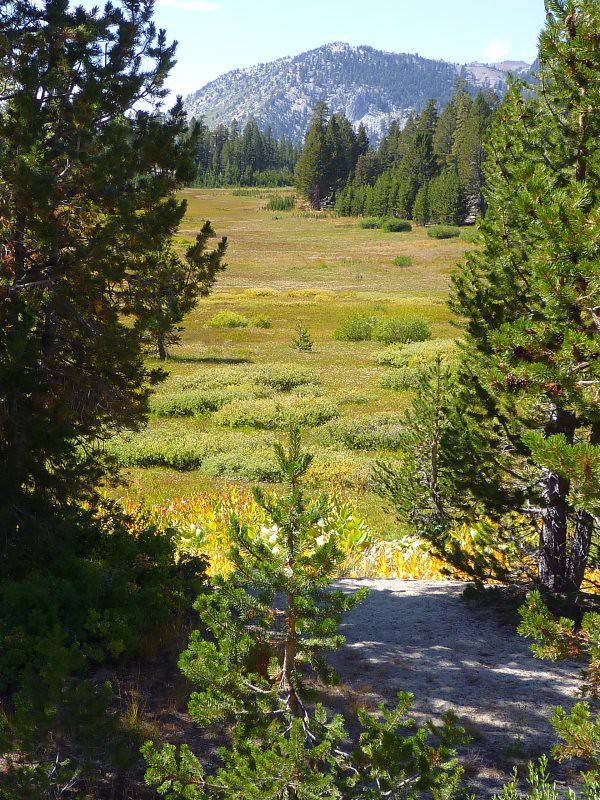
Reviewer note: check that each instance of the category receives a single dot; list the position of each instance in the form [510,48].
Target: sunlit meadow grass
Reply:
[232,390]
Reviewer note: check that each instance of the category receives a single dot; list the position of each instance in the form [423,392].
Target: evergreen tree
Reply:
[313,170]
[270,624]
[421,212]
[445,196]
[530,297]
[88,167]
[166,287]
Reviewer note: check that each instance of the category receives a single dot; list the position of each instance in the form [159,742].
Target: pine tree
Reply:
[270,623]
[313,170]
[421,213]
[166,287]
[449,473]
[89,164]
[445,197]
[530,297]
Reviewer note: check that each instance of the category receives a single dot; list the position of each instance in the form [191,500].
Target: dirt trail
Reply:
[422,637]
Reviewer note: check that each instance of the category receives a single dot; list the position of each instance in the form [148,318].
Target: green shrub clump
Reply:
[403,261]
[281,202]
[443,232]
[174,449]
[269,414]
[356,328]
[228,319]
[393,225]
[260,321]
[411,361]
[196,403]
[472,235]
[370,223]
[372,432]
[254,464]
[285,377]
[394,330]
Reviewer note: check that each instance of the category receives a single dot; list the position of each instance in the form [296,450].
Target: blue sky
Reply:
[218,35]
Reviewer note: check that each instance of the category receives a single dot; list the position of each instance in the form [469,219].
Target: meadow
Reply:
[237,380]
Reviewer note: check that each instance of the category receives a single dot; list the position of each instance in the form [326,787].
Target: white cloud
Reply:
[191,5]
[497,51]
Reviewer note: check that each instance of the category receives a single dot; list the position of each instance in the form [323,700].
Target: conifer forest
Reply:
[299,436]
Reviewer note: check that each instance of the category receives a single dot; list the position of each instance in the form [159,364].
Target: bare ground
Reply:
[424,638]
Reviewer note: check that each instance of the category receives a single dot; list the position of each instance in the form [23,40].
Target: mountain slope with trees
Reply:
[365,84]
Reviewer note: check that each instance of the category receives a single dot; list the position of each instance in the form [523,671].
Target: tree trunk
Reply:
[162,350]
[553,537]
[582,537]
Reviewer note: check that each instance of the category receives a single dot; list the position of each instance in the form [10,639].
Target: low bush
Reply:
[356,328]
[249,464]
[394,330]
[403,261]
[285,377]
[370,223]
[419,354]
[272,414]
[178,450]
[393,225]
[194,402]
[261,321]
[443,232]
[411,361]
[374,432]
[472,235]
[281,202]
[309,390]
[339,470]
[110,586]
[228,319]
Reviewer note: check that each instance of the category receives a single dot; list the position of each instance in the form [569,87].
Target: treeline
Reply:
[331,152]
[430,170]
[229,156]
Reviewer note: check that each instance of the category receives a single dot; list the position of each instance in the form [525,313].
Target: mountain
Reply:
[494,76]
[368,85]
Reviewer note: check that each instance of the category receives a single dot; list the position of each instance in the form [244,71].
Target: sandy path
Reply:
[422,637]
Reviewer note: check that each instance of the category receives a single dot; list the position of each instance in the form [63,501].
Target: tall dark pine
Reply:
[88,167]
[531,295]
[313,170]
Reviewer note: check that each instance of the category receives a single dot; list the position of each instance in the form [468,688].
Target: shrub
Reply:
[272,413]
[281,202]
[400,330]
[228,319]
[357,328]
[375,432]
[393,225]
[253,465]
[338,469]
[178,450]
[412,360]
[193,402]
[285,377]
[261,322]
[402,261]
[472,235]
[370,223]
[418,354]
[443,232]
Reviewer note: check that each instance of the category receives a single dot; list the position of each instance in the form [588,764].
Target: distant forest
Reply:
[250,157]
[429,170]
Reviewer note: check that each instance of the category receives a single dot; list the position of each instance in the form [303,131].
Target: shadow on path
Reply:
[423,638]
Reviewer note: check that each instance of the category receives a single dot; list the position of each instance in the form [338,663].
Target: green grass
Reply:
[231,389]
